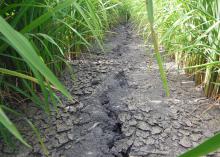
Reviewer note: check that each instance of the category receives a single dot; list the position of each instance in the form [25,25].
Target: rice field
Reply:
[192,28]
[189,33]
[38,39]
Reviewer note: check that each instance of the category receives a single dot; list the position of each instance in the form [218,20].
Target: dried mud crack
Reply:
[120,109]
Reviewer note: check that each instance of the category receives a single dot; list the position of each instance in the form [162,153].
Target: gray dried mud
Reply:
[121,109]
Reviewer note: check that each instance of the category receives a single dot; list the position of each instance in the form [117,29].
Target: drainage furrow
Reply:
[111,101]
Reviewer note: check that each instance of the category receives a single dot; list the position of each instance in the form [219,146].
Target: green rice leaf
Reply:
[156,46]
[25,49]
[17,74]
[206,147]
[4,120]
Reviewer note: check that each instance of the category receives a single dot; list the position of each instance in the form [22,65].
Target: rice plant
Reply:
[194,31]
[189,32]
[36,37]
[150,12]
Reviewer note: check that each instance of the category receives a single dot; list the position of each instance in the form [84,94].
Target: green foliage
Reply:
[192,28]
[10,126]
[29,55]
[206,147]
[189,31]
[37,38]
[150,12]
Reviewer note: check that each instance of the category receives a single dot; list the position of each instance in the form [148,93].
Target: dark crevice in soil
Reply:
[121,78]
[117,128]
[108,99]
[125,153]
[104,99]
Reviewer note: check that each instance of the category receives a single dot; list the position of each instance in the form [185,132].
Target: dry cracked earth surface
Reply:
[120,108]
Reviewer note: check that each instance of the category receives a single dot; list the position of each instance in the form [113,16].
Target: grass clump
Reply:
[37,38]
[189,32]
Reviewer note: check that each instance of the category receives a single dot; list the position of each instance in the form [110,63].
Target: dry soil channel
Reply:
[122,110]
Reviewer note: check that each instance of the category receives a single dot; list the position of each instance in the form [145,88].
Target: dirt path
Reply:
[122,110]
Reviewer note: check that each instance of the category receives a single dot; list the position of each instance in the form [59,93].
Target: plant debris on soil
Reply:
[120,107]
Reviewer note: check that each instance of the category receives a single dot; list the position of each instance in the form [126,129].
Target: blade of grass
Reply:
[28,53]
[149,4]
[11,127]
[17,74]
[206,147]
[36,131]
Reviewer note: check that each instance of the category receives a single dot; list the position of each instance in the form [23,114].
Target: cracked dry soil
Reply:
[121,109]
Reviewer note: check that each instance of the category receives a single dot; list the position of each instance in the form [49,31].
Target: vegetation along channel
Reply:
[109,78]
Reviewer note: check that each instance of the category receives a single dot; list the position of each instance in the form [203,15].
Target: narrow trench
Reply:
[117,129]
[121,83]
[127,152]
